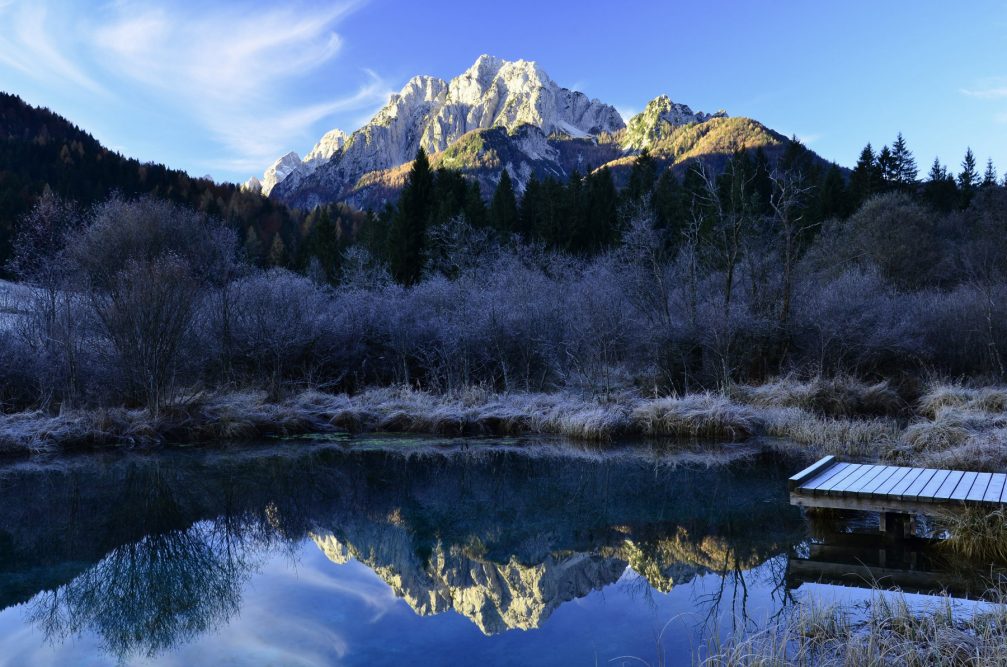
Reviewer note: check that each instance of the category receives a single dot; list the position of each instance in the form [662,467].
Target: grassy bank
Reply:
[948,426]
[889,631]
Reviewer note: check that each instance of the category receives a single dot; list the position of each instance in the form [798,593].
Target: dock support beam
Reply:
[897,524]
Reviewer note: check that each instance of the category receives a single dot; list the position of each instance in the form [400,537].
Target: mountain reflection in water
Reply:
[149,551]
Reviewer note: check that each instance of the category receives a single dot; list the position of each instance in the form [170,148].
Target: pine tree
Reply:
[670,212]
[503,209]
[990,175]
[968,178]
[407,234]
[475,207]
[324,244]
[832,196]
[866,177]
[642,176]
[601,212]
[529,212]
[940,190]
[905,163]
[887,166]
[572,215]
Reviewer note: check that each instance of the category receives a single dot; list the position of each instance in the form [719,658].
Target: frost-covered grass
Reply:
[830,397]
[890,631]
[868,439]
[952,426]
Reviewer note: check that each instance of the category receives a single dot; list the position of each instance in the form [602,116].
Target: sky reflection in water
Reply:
[318,555]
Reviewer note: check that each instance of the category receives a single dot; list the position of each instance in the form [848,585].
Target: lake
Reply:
[384,550]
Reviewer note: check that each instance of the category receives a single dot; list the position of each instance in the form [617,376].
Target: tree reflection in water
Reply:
[499,536]
[150,595]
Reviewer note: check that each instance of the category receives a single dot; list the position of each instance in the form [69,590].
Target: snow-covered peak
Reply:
[432,113]
[279,170]
[330,143]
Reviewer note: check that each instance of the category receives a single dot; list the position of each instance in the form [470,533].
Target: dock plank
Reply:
[833,484]
[952,480]
[904,483]
[824,476]
[865,479]
[905,489]
[887,485]
[995,489]
[885,475]
[978,490]
[816,468]
[935,483]
[838,484]
[964,486]
[911,491]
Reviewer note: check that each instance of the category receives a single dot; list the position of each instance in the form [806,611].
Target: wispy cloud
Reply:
[34,42]
[993,88]
[231,69]
[994,93]
[237,73]
[809,138]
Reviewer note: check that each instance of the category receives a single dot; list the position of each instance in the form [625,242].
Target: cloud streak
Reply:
[238,74]
[994,93]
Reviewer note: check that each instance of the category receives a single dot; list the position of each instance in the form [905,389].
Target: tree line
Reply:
[758,269]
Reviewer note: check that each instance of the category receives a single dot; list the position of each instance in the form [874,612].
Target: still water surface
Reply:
[392,550]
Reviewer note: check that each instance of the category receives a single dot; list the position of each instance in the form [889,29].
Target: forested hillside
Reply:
[41,150]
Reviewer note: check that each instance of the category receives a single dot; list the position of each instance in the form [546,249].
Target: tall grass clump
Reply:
[943,396]
[829,397]
[975,533]
[698,415]
[890,631]
[857,438]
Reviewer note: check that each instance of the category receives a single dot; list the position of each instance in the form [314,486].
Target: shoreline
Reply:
[949,425]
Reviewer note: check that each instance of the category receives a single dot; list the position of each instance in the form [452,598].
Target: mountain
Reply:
[501,115]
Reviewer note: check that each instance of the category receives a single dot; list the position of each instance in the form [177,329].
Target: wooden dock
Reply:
[894,489]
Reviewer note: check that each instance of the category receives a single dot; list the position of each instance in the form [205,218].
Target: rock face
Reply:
[292,168]
[499,115]
[434,114]
[658,119]
[494,596]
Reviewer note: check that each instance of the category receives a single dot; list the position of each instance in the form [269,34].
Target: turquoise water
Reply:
[391,551]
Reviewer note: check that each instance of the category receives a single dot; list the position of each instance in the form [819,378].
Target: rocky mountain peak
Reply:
[330,143]
[658,118]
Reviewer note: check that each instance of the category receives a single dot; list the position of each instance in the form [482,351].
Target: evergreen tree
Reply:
[940,190]
[887,166]
[642,176]
[905,163]
[475,207]
[529,212]
[762,186]
[601,212]
[553,220]
[670,212]
[407,234]
[833,198]
[990,175]
[572,215]
[866,177]
[968,178]
[322,243]
[503,209]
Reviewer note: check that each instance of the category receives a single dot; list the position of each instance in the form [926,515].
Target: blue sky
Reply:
[224,88]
